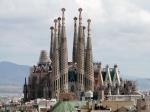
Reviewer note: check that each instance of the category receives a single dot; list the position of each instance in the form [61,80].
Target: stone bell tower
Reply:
[63,56]
[75,41]
[55,64]
[80,55]
[89,69]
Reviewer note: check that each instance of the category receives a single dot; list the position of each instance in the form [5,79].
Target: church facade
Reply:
[55,77]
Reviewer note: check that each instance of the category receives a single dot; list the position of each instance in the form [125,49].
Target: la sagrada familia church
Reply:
[55,77]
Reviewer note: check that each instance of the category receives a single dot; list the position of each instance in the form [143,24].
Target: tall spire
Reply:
[63,56]
[89,70]
[59,31]
[55,62]
[84,42]
[84,35]
[52,41]
[80,53]
[75,41]
[25,91]
[84,53]
[59,37]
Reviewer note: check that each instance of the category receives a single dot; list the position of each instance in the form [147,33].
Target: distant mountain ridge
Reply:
[12,74]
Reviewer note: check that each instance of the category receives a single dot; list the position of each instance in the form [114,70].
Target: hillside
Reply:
[12,77]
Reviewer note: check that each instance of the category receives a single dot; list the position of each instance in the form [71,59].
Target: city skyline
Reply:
[120,32]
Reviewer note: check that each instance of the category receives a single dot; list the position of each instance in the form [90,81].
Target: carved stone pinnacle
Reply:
[80,9]
[59,18]
[89,20]
[75,18]
[63,9]
[51,27]
[55,20]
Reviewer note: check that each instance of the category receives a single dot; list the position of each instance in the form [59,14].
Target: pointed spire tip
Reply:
[51,27]
[59,18]
[115,66]
[63,9]
[55,20]
[75,18]
[84,27]
[80,9]
[89,20]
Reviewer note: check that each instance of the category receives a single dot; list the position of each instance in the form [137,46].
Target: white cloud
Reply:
[120,30]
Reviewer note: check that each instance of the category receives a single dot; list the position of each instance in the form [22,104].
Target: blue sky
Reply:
[120,31]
